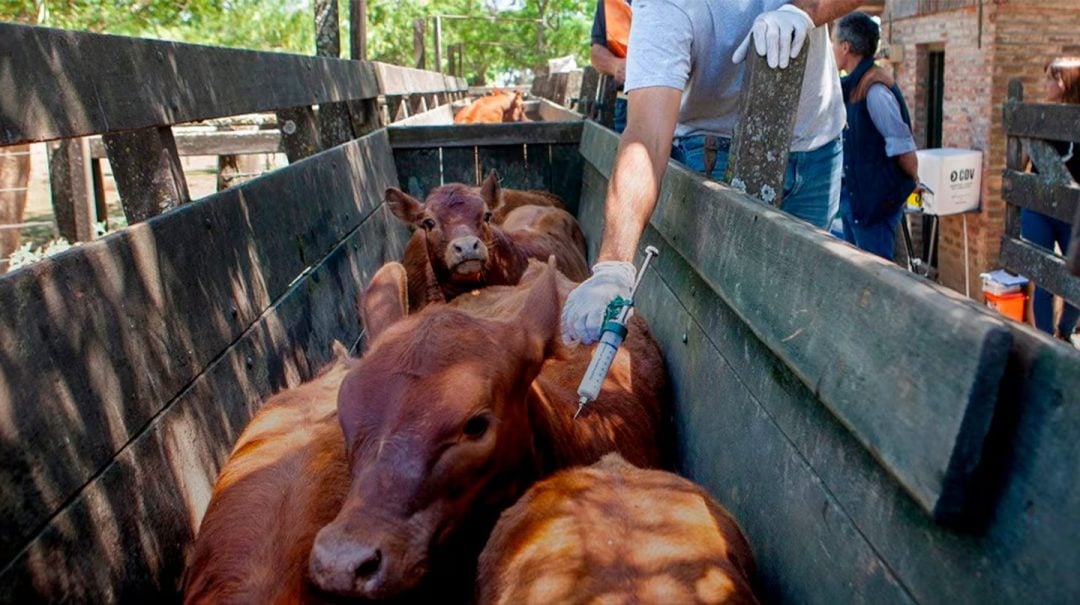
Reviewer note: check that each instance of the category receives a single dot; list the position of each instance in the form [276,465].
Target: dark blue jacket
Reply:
[877,185]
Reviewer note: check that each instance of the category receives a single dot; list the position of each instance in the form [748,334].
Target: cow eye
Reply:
[487,217]
[428,224]
[476,427]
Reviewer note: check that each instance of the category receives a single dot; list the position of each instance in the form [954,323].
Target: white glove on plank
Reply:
[778,35]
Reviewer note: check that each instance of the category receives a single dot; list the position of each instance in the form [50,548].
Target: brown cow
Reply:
[512,199]
[456,249]
[444,431]
[614,533]
[494,107]
[285,479]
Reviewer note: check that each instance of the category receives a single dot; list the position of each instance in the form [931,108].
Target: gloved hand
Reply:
[583,312]
[778,35]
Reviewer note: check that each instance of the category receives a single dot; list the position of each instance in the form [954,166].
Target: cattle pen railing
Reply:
[1052,191]
[879,438]
[106,350]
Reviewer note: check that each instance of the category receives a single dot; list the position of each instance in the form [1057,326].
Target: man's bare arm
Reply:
[909,163]
[639,169]
[606,62]
[827,11]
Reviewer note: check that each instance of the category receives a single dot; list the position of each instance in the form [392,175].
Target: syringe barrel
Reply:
[601,362]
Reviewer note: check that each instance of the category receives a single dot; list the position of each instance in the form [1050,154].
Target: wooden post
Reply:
[71,182]
[419,32]
[334,127]
[299,132]
[590,79]
[1072,255]
[605,107]
[365,116]
[767,108]
[100,205]
[14,179]
[147,171]
[358,30]
[438,44]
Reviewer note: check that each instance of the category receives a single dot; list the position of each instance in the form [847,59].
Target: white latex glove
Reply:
[583,312]
[778,35]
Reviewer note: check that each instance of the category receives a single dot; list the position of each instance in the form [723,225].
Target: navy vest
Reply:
[878,187]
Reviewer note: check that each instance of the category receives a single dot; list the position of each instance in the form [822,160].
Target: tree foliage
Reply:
[493,42]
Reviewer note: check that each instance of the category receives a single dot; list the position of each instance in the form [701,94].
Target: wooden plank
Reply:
[469,135]
[1025,552]
[358,30]
[1072,255]
[71,185]
[550,112]
[75,83]
[147,171]
[767,108]
[508,160]
[396,80]
[365,116]
[123,537]
[1048,162]
[442,115]
[112,331]
[716,416]
[459,165]
[587,102]
[1049,121]
[418,170]
[930,436]
[1041,266]
[1032,191]
[1016,556]
[1015,159]
[566,170]
[605,105]
[299,132]
[236,142]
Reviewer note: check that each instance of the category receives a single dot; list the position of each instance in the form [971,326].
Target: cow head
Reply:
[438,438]
[515,112]
[455,219]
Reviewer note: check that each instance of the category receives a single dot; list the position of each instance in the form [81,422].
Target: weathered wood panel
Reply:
[147,170]
[459,165]
[58,83]
[237,142]
[1041,266]
[123,537]
[70,183]
[468,135]
[1031,191]
[300,134]
[1021,549]
[550,112]
[509,162]
[762,140]
[395,80]
[97,340]
[418,170]
[565,180]
[1053,122]
[930,435]
[443,114]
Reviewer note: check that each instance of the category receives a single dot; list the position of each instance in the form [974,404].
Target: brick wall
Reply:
[1016,40]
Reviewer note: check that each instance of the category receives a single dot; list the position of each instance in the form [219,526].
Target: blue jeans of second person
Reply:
[620,115]
[1045,231]
[811,182]
[877,238]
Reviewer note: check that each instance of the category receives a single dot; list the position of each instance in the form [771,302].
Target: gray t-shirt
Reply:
[687,45]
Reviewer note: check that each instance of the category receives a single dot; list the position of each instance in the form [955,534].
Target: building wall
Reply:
[983,51]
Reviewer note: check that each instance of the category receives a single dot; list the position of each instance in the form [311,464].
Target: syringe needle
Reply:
[580,406]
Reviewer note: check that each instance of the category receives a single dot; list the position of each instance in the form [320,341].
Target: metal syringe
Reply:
[612,334]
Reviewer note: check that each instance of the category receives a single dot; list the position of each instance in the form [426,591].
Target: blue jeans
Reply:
[1045,231]
[620,115]
[811,183]
[878,238]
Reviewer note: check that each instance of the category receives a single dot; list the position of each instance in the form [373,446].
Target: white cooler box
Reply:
[955,177]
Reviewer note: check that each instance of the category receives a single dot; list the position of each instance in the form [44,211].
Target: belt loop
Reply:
[712,144]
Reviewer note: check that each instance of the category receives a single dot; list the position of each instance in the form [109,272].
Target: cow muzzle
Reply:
[343,565]
[466,255]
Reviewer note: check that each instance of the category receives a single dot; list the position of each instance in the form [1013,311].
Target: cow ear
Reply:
[385,301]
[538,319]
[404,206]
[491,190]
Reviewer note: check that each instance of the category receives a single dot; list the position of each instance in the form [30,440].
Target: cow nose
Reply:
[368,564]
[466,244]
[347,568]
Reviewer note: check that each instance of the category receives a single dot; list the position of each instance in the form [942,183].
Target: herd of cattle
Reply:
[445,465]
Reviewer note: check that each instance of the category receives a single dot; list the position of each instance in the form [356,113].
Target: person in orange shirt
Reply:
[610,35]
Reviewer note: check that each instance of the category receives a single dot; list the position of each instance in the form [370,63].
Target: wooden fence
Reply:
[128,365]
[1052,191]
